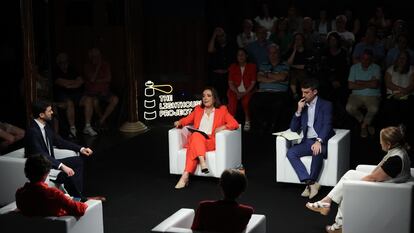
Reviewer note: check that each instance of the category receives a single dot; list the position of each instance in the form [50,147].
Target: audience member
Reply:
[41,139]
[295,20]
[97,90]
[334,83]
[257,50]
[9,134]
[35,198]
[323,25]
[398,27]
[270,103]
[297,58]
[247,35]
[68,88]
[222,55]
[399,82]
[353,24]
[348,38]
[382,24]
[242,81]
[225,215]
[400,47]
[265,18]
[312,37]
[281,36]
[314,118]
[393,168]
[210,117]
[364,81]
[371,42]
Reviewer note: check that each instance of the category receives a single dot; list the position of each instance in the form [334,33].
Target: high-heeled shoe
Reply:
[204,168]
[319,206]
[181,184]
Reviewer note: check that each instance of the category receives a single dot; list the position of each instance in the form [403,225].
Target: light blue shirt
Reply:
[358,73]
[274,86]
[311,118]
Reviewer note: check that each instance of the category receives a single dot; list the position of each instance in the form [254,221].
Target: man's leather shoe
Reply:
[306,192]
[314,188]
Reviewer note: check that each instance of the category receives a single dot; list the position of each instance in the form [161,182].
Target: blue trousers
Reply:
[304,149]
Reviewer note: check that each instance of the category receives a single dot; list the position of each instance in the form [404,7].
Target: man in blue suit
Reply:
[314,118]
[41,139]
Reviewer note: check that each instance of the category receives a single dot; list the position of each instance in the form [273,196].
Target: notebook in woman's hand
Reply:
[193,130]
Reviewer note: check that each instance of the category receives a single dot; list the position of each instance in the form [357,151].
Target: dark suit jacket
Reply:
[35,144]
[221,216]
[322,123]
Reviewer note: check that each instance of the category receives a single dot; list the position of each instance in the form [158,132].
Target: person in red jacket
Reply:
[242,80]
[209,117]
[225,215]
[35,198]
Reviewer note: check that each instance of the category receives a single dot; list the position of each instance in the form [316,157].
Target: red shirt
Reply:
[38,199]
[221,216]
[249,74]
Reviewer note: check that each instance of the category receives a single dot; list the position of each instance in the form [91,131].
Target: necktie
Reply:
[47,142]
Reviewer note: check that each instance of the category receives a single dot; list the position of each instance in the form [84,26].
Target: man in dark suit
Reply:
[41,139]
[314,118]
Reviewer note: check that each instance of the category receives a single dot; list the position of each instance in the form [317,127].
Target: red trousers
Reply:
[232,103]
[197,145]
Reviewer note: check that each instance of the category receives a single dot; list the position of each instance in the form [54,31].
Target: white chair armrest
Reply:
[90,222]
[365,168]
[228,149]
[64,153]
[378,206]
[257,224]
[8,208]
[338,153]
[179,230]
[183,218]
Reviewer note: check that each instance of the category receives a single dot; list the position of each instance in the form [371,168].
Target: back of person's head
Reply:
[39,106]
[395,136]
[232,183]
[311,83]
[36,167]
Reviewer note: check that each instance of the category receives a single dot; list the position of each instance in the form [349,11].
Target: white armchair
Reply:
[12,174]
[226,155]
[12,221]
[377,206]
[336,164]
[181,221]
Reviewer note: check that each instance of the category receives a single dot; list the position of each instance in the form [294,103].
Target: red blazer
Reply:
[221,117]
[248,77]
[221,216]
[40,200]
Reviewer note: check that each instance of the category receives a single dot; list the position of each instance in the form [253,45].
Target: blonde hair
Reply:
[394,136]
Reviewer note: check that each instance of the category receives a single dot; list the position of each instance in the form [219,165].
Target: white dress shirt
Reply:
[206,124]
[311,118]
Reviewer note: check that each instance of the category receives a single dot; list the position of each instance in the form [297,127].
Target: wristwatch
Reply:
[319,140]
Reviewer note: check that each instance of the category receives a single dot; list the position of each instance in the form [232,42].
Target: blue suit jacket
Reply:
[35,144]
[322,123]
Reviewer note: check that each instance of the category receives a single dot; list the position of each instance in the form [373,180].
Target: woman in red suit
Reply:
[242,80]
[210,117]
[225,215]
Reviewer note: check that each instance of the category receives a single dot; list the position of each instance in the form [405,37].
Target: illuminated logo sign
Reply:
[166,106]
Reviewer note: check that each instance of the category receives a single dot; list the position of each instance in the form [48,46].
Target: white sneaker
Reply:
[89,130]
